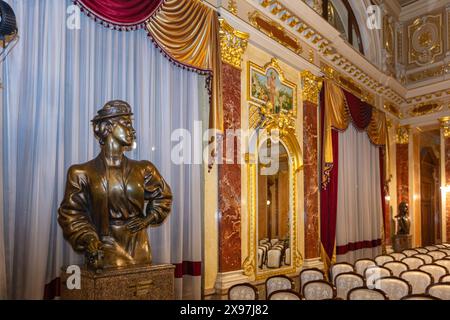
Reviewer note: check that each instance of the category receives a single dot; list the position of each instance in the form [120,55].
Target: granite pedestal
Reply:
[402,242]
[145,282]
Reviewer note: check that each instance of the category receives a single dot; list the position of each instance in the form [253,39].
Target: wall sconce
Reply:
[387,198]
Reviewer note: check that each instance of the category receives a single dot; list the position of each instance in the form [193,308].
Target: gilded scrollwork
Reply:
[233,44]
[312,85]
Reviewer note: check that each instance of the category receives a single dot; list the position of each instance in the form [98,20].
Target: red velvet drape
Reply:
[125,14]
[360,111]
[328,193]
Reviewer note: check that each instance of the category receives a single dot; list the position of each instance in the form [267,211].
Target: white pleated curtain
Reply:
[54,82]
[359,212]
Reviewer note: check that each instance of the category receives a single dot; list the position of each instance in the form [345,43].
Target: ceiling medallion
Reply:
[425,39]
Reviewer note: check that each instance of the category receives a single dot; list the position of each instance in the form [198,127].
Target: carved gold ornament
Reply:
[312,85]
[232,7]
[445,126]
[233,44]
[402,136]
[425,108]
[425,36]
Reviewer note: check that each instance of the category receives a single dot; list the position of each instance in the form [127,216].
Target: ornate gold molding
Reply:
[445,126]
[402,136]
[425,74]
[233,44]
[425,108]
[232,7]
[275,31]
[312,85]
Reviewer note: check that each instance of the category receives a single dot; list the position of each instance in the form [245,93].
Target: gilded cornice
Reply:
[311,86]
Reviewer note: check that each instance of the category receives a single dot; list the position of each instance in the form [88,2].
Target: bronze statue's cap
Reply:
[111,109]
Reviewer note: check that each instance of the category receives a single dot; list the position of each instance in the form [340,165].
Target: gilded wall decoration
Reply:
[445,125]
[268,85]
[425,39]
[426,74]
[389,43]
[233,44]
[425,108]
[393,109]
[232,7]
[275,31]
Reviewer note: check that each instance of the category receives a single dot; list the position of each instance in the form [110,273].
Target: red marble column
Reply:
[402,173]
[311,180]
[230,176]
[447,178]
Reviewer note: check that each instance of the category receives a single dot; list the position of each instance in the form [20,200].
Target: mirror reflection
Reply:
[273,208]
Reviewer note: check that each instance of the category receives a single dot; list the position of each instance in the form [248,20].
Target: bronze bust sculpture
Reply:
[102,213]
[403,223]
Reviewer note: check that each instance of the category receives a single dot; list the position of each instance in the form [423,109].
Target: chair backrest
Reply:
[419,297]
[375,272]
[446,251]
[362,264]
[447,245]
[277,283]
[345,282]
[409,252]
[285,295]
[437,254]
[364,293]
[339,268]
[435,270]
[398,256]
[396,267]
[425,257]
[440,290]
[419,280]
[431,248]
[440,246]
[421,250]
[243,291]
[413,262]
[444,278]
[445,263]
[308,275]
[319,290]
[382,259]
[395,288]
[274,258]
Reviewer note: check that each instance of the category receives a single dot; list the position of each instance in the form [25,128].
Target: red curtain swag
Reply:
[120,14]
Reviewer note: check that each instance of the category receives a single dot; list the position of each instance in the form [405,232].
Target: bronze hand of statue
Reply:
[139,223]
[94,254]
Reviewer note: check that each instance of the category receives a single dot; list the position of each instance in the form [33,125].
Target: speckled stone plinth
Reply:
[402,242]
[146,282]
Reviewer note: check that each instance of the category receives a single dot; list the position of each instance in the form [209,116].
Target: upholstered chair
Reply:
[274,241]
[421,250]
[446,251]
[419,280]
[364,293]
[398,256]
[362,264]
[444,278]
[274,258]
[396,267]
[419,297]
[345,282]
[437,254]
[375,272]
[413,262]
[260,257]
[308,275]
[287,257]
[409,252]
[440,290]
[285,295]
[395,288]
[447,245]
[382,259]
[339,268]
[435,270]
[277,283]
[445,263]
[440,246]
[431,248]
[319,290]
[425,257]
[243,291]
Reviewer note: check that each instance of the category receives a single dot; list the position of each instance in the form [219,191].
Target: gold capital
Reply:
[445,126]
[403,134]
[233,44]
[312,85]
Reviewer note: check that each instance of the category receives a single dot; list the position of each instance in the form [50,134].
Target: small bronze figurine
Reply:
[102,213]
[403,223]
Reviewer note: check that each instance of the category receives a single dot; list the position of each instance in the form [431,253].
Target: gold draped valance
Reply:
[337,116]
[187,31]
